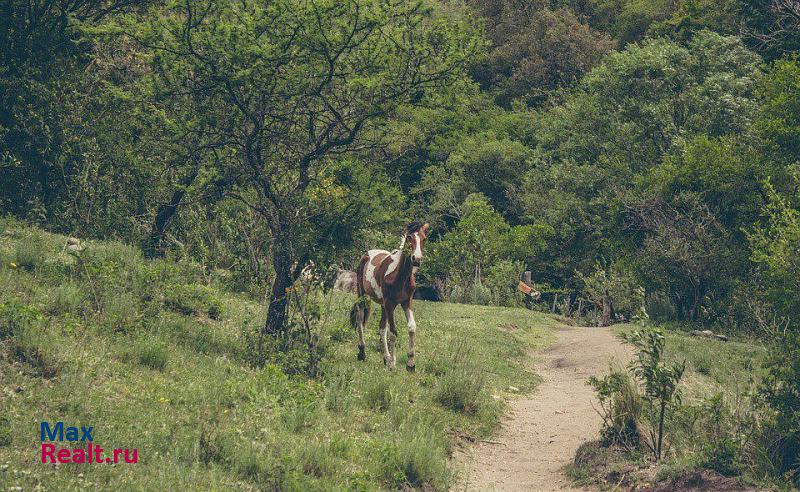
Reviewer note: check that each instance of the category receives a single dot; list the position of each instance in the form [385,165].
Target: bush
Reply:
[193,299]
[502,280]
[620,409]
[779,395]
[659,381]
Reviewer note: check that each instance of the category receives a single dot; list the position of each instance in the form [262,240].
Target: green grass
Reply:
[101,341]
[706,432]
[713,366]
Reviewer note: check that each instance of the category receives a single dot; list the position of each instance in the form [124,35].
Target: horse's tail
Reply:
[361,309]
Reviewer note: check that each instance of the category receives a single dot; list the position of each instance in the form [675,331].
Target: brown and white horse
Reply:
[388,279]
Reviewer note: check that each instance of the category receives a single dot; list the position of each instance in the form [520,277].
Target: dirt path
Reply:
[544,429]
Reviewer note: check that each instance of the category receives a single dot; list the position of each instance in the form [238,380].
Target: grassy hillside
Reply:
[152,355]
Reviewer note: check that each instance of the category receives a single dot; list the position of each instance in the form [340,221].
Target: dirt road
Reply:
[543,429]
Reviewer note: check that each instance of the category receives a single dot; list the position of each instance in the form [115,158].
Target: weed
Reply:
[32,347]
[462,389]
[153,354]
[67,298]
[380,394]
[121,312]
[5,431]
[31,252]
[412,460]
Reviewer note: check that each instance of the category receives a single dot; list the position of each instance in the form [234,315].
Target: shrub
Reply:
[193,299]
[620,409]
[659,382]
[502,282]
[614,290]
[779,394]
[721,455]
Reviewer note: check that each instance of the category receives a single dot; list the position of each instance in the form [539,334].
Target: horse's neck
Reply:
[405,270]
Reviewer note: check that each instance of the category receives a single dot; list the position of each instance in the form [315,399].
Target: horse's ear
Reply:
[425,228]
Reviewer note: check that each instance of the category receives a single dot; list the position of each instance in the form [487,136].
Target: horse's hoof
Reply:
[411,368]
[361,354]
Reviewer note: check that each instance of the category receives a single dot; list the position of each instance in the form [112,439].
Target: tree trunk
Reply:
[166,212]
[607,310]
[278,301]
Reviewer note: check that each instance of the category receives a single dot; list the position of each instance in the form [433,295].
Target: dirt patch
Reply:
[543,430]
[700,481]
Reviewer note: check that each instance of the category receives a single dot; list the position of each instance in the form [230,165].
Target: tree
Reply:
[775,248]
[41,53]
[536,51]
[290,84]
[479,241]
[602,142]
[772,27]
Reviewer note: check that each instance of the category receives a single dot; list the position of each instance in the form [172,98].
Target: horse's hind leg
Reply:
[361,319]
[392,336]
[411,365]
[387,356]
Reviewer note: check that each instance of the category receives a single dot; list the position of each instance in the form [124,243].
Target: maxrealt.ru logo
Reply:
[92,453]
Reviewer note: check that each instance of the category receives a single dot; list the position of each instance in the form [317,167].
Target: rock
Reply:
[708,334]
[74,245]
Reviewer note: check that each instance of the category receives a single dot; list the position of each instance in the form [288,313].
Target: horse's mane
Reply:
[413,227]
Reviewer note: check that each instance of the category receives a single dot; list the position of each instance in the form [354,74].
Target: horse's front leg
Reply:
[411,365]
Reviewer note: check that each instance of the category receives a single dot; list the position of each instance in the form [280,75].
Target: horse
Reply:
[387,278]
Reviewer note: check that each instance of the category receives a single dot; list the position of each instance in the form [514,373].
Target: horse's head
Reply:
[415,241]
